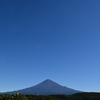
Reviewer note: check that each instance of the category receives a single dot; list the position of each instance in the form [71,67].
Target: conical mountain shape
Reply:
[47,87]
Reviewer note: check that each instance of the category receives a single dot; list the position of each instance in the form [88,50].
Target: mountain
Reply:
[46,87]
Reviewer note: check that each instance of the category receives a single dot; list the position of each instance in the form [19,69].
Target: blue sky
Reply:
[50,39]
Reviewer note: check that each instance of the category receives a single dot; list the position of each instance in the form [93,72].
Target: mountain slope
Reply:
[47,87]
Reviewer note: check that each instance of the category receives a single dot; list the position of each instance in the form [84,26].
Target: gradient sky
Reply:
[50,39]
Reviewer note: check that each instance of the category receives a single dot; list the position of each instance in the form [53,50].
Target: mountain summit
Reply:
[47,87]
[48,83]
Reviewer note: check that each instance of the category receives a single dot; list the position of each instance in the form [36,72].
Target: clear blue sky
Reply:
[50,39]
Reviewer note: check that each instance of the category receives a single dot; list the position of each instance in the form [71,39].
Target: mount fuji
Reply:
[47,87]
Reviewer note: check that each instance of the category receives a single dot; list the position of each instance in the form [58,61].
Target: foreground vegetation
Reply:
[78,96]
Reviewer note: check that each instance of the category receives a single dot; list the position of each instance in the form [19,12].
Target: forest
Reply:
[77,96]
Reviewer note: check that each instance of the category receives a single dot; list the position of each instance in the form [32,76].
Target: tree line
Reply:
[77,96]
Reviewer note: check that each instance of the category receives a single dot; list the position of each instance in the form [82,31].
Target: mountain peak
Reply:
[47,87]
[48,81]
